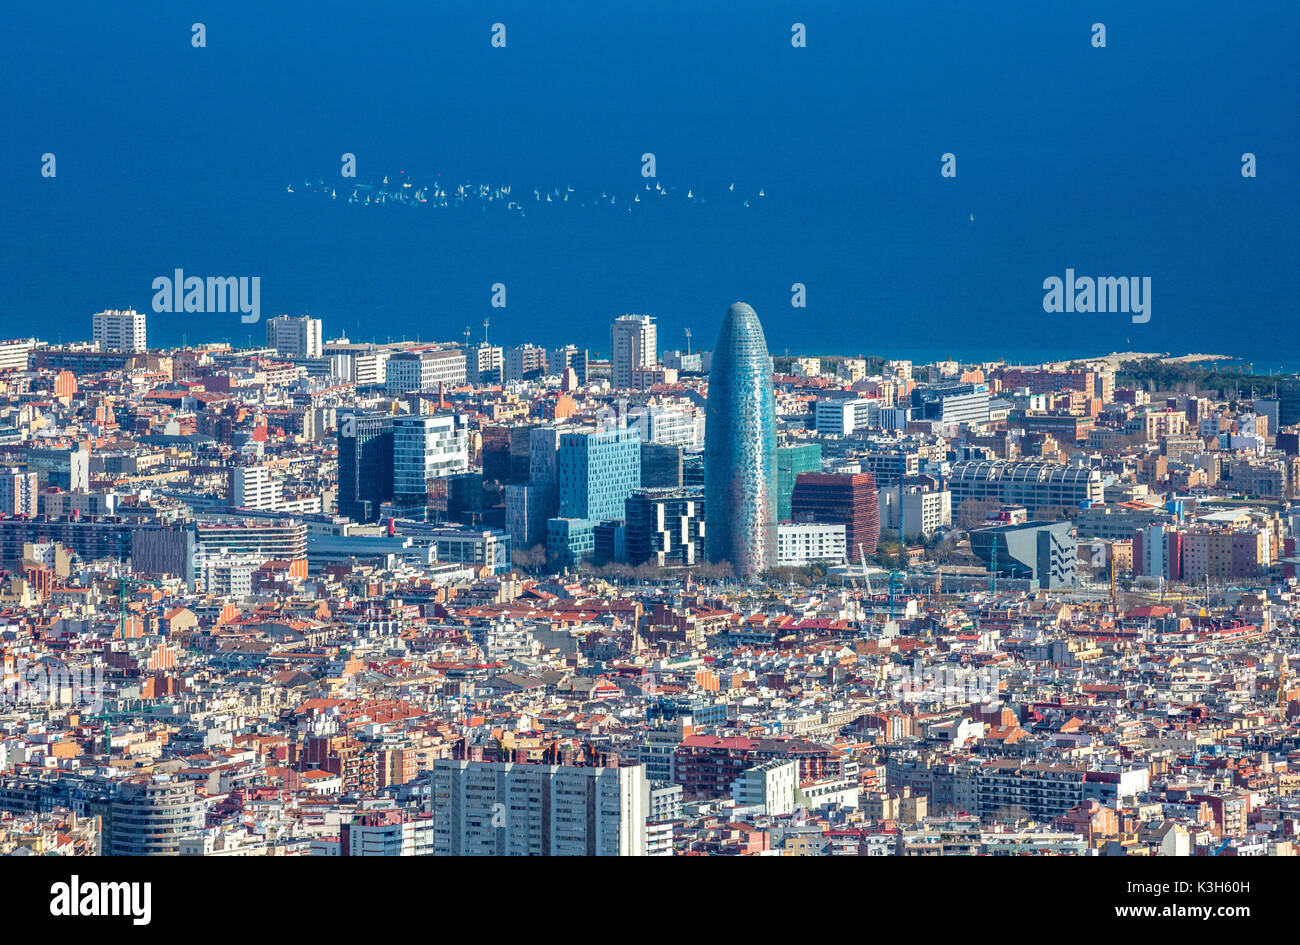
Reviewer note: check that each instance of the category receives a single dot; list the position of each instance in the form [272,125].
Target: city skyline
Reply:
[662,431]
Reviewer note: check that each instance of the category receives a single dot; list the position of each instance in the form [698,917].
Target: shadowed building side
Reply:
[740,448]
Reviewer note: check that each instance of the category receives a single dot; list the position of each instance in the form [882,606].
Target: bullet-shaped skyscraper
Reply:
[740,448]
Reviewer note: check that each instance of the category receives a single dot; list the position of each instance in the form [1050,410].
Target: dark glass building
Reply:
[665,527]
[740,448]
[365,465]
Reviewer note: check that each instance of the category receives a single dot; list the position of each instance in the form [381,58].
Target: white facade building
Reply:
[253,487]
[491,808]
[843,417]
[770,785]
[294,337]
[424,370]
[14,354]
[800,543]
[18,492]
[119,330]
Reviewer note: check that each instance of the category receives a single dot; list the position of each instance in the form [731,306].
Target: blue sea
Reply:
[1123,160]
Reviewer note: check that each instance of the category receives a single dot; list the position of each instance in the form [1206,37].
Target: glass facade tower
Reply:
[740,448]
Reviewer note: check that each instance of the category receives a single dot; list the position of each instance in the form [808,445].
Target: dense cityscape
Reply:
[341,598]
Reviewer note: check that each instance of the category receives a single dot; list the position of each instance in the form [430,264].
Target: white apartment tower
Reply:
[492,808]
[116,330]
[253,487]
[18,492]
[634,343]
[294,337]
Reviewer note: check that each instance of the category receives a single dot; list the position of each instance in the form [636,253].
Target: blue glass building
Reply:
[740,448]
[597,472]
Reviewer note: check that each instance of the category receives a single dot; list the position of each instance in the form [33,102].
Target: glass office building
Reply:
[740,448]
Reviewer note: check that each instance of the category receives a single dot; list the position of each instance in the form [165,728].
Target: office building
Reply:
[801,543]
[1037,486]
[365,465]
[527,510]
[952,403]
[740,447]
[665,527]
[476,547]
[506,453]
[842,417]
[408,371]
[608,542]
[848,499]
[790,462]
[1041,552]
[596,472]
[569,542]
[661,466]
[426,447]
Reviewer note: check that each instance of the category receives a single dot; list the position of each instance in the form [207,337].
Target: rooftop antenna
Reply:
[688,340]
[467,337]
[485,328]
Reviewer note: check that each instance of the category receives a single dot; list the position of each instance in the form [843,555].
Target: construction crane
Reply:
[893,575]
[107,717]
[123,581]
[862,557]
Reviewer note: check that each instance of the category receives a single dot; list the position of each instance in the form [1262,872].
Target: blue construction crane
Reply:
[893,575]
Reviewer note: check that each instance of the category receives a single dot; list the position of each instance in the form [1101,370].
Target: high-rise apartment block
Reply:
[119,330]
[294,336]
[488,808]
[634,341]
